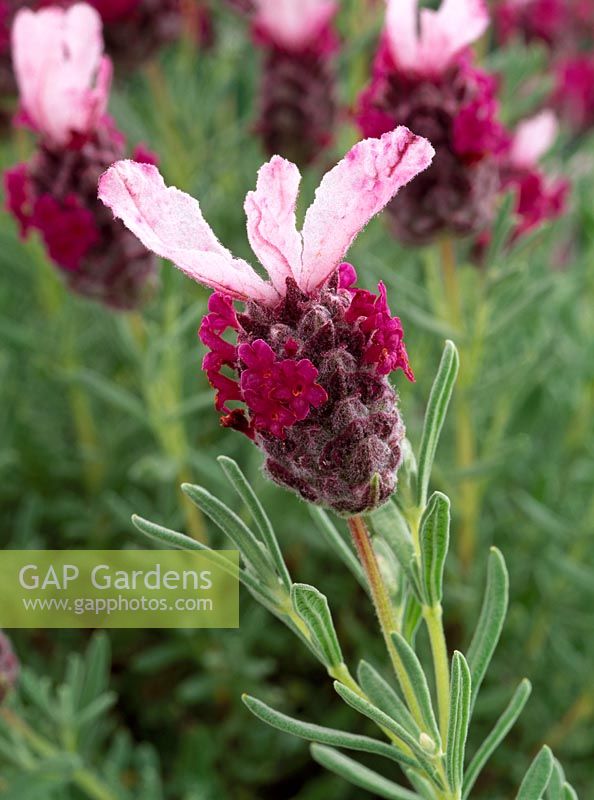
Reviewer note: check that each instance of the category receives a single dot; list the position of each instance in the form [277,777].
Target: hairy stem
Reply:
[433,617]
[433,620]
[383,609]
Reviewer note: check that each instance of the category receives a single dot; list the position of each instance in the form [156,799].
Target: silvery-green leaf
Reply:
[434,539]
[385,697]
[323,735]
[412,618]
[501,229]
[359,775]
[180,541]
[375,714]
[502,727]
[537,778]
[391,572]
[459,720]
[437,407]
[555,787]
[491,619]
[389,523]
[235,528]
[312,607]
[249,497]
[418,681]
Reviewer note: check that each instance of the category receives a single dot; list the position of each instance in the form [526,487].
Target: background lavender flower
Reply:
[55,192]
[297,87]
[429,83]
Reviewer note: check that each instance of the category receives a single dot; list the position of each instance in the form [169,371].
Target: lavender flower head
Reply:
[64,81]
[303,368]
[424,78]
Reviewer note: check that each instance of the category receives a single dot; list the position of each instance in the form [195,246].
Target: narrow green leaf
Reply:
[235,528]
[323,735]
[412,619]
[99,706]
[459,720]
[97,668]
[537,778]
[376,715]
[434,539]
[491,619]
[338,544]
[417,678]
[385,697]
[241,485]
[389,523]
[312,607]
[501,229]
[180,541]
[358,775]
[555,787]
[177,540]
[392,574]
[420,782]
[502,727]
[439,399]
[569,793]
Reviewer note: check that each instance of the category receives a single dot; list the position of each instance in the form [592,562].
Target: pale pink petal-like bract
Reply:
[271,223]
[294,23]
[533,138]
[353,192]
[402,29]
[63,78]
[427,43]
[170,223]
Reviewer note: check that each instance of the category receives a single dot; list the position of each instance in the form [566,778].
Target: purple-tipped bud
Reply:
[9,667]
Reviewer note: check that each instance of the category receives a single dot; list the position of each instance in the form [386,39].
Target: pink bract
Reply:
[170,222]
[426,42]
[62,75]
[293,24]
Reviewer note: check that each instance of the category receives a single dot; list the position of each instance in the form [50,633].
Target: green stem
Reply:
[469,496]
[433,620]
[433,617]
[384,610]
[83,778]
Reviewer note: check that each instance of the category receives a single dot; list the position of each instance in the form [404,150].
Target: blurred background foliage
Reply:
[103,415]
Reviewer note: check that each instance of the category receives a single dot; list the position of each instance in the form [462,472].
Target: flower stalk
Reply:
[465,438]
[383,608]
